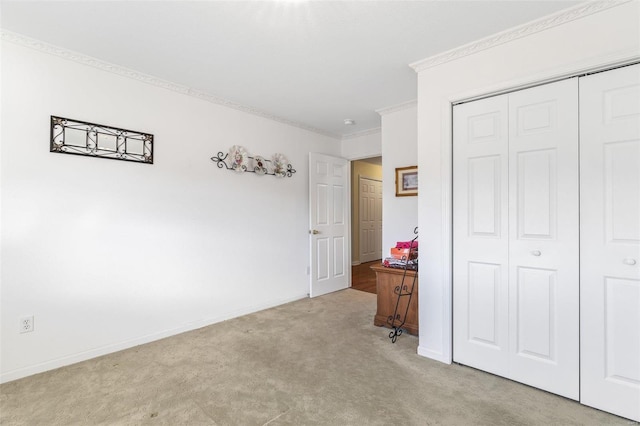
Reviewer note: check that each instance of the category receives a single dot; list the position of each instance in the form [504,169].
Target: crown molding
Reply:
[362,133]
[397,107]
[524,30]
[83,59]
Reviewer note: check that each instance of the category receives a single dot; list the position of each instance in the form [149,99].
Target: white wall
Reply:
[399,149]
[558,46]
[110,254]
[364,145]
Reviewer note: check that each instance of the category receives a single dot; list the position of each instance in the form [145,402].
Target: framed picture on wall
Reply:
[406,181]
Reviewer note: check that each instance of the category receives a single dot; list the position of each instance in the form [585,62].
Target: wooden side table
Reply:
[387,279]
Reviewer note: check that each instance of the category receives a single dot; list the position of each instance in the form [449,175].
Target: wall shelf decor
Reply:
[239,160]
[95,140]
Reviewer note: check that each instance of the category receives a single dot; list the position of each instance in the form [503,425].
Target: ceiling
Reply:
[314,63]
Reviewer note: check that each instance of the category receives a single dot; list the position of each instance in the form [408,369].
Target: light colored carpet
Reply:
[311,362]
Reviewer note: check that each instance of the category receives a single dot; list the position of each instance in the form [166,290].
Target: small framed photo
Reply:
[406,181]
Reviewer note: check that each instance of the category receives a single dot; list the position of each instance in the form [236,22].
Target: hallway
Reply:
[363,278]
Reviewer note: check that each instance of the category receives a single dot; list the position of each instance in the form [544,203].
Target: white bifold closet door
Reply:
[610,240]
[516,236]
[481,234]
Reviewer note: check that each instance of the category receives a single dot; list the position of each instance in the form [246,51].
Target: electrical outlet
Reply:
[26,324]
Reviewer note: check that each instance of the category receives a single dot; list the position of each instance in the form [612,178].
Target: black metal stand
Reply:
[397,320]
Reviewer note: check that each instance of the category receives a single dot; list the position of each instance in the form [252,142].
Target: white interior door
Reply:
[515,228]
[544,237]
[370,223]
[329,213]
[480,234]
[610,241]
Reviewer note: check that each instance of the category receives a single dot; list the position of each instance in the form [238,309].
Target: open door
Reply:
[329,216]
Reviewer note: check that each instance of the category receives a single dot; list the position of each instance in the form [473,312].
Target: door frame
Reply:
[361,157]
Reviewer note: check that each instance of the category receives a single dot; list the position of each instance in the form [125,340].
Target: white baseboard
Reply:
[105,350]
[437,356]
[355,263]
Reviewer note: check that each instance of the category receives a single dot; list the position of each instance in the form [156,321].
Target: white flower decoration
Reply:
[280,163]
[238,158]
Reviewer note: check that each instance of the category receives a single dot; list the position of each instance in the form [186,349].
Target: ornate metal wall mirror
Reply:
[95,140]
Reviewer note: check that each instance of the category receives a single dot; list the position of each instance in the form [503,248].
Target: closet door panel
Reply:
[621,199]
[480,235]
[610,241]
[536,305]
[543,237]
[536,184]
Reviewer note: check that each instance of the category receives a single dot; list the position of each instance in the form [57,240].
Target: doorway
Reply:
[366,221]
[370,219]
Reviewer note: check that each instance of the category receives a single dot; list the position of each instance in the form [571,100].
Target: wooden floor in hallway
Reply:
[363,278]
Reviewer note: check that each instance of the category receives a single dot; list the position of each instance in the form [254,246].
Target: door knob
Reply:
[314,232]
[629,262]
[536,252]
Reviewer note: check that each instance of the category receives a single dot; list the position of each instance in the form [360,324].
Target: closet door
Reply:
[610,241]
[515,205]
[480,226]
[544,237]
